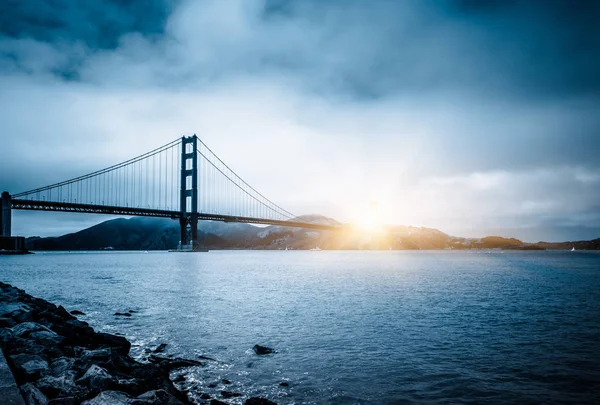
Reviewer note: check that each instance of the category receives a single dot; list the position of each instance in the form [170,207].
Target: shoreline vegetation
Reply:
[163,234]
[56,359]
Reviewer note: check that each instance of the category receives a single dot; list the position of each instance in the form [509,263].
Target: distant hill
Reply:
[140,233]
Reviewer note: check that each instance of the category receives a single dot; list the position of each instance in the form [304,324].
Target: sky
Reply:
[475,117]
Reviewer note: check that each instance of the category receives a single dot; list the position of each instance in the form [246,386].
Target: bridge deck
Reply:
[19,204]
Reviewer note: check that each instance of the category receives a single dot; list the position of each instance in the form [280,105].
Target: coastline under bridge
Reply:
[183,180]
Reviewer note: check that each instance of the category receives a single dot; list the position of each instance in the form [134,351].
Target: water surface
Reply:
[349,327]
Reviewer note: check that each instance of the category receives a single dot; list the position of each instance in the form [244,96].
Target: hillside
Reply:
[141,233]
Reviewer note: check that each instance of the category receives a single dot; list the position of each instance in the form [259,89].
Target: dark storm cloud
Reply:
[363,49]
[95,23]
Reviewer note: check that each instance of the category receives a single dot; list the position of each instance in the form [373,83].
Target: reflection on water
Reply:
[348,327]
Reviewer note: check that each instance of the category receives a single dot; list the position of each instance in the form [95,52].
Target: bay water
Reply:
[348,327]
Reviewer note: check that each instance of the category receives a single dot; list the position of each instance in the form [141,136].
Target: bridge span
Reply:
[183,180]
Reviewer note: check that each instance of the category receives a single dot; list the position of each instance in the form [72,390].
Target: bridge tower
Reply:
[188,220]
[5,213]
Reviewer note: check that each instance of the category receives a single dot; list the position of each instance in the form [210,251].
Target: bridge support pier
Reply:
[188,221]
[5,214]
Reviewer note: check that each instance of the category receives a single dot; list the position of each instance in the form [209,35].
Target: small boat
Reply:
[573,249]
[316,249]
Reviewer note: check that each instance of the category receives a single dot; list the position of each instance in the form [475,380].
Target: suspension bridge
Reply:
[183,180]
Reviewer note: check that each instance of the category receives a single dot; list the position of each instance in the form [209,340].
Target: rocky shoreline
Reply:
[57,359]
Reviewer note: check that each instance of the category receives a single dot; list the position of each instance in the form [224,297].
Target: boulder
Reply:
[29,366]
[119,343]
[8,309]
[159,397]
[160,348]
[46,338]
[258,349]
[76,312]
[23,330]
[122,314]
[32,395]
[61,365]
[63,386]
[109,398]
[63,313]
[97,379]
[6,322]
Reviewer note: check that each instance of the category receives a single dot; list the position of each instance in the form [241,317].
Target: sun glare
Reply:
[370,219]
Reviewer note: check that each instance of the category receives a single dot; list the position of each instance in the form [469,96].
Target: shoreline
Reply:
[57,359]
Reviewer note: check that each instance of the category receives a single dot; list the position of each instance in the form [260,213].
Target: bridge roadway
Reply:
[20,204]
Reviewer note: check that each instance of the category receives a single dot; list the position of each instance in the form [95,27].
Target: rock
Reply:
[65,401]
[132,311]
[180,378]
[226,381]
[63,313]
[6,322]
[258,349]
[258,401]
[109,398]
[160,348]
[80,327]
[93,356]
[159,397]
[76,312]
[46,338]
[119,343]
[217,402]
[122,314]
[212,385]
[23,330]
[29,366]
[229,394]
[284,384]
[97,379]
[63,386]
[204,396]
[8,309]
[61,365]
[32,395]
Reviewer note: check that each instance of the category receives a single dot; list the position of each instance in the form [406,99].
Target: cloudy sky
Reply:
[476,117]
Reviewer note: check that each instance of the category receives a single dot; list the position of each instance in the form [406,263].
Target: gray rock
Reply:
[258,349]
[109,398]
[65,401]
[7,309]
[46,338]
[61,365]
[6,322]
[76,312]
[32,395]
[30,366]
[159,397]
[97,378]
[97,355]
[63,386]
[23,330]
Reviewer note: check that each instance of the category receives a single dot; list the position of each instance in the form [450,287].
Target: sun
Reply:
[370,220]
